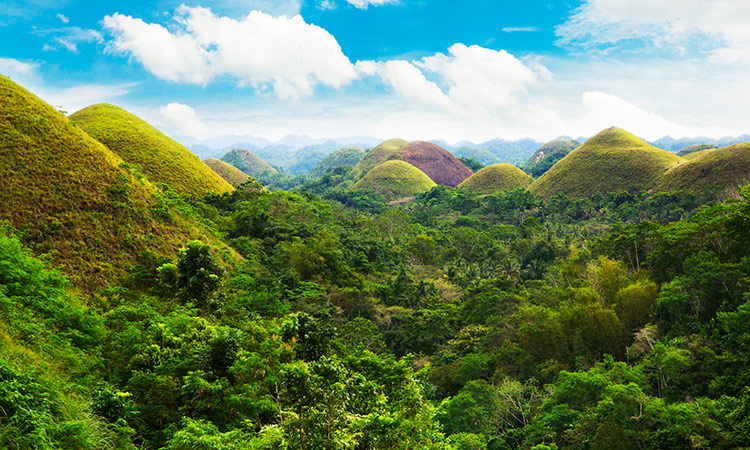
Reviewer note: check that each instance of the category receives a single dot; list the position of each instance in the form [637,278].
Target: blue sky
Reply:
[418,69]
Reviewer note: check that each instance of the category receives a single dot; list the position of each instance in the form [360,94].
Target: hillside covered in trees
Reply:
[323,317]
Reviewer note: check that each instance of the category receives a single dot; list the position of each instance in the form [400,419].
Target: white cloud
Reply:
[62,18]
[363,4]
[183,119]
[68,38]
[479,77]
[717,25]
[605,110]
[258,50]
[19,71]
[520,29]
[407,81]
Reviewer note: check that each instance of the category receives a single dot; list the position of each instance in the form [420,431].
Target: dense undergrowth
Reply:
[453,321]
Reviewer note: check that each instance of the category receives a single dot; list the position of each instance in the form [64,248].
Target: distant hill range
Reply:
[299,155]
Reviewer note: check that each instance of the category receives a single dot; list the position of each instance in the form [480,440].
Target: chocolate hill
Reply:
[438,163]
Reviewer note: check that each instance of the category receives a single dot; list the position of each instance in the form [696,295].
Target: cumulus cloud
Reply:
[407,81]
[479,77]
[183,119]
[363,4]
[716,25]
[257,50]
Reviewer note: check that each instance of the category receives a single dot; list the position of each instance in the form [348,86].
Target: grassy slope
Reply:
[348,156]
[689,151]
[720,170]
[228,172]
[548,155]
[394,180]
[68,196]
[613,160]
[385,151]
[248,162]
[162,159]
[496,178]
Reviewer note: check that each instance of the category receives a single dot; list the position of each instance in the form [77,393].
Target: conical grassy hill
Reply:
[612,161]
[710,171]
[438,163]
[385,151]
[248,162]
[161,159]
[228,172]
[395,180]
[496,178]
[70,198]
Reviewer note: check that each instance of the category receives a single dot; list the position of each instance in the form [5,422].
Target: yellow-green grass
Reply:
[710,171]
[228,172]
[248,162]
[71,199]
[385,151]
[496,178]
[160,158]
[394,180]
[612,161]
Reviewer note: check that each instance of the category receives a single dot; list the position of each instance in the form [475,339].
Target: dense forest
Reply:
[453,321]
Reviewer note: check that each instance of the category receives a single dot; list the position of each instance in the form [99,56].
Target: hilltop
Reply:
[348,156]
[438,163]
[612,161]
[496,178]
[248,162]
[159,157]
[394,180]
[75,201]
[228,172]
[710,171]
[548,155]
[385,151]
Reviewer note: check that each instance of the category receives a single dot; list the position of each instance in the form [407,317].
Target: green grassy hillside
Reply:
[548,155]
[394,180]
[348,156]
[160,158]
[248,162]
[711,170]
[385,151]
[73,200]
[496,178]
[228,172]
[612,161]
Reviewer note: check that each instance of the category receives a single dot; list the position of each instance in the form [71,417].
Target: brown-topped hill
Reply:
[439,164]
